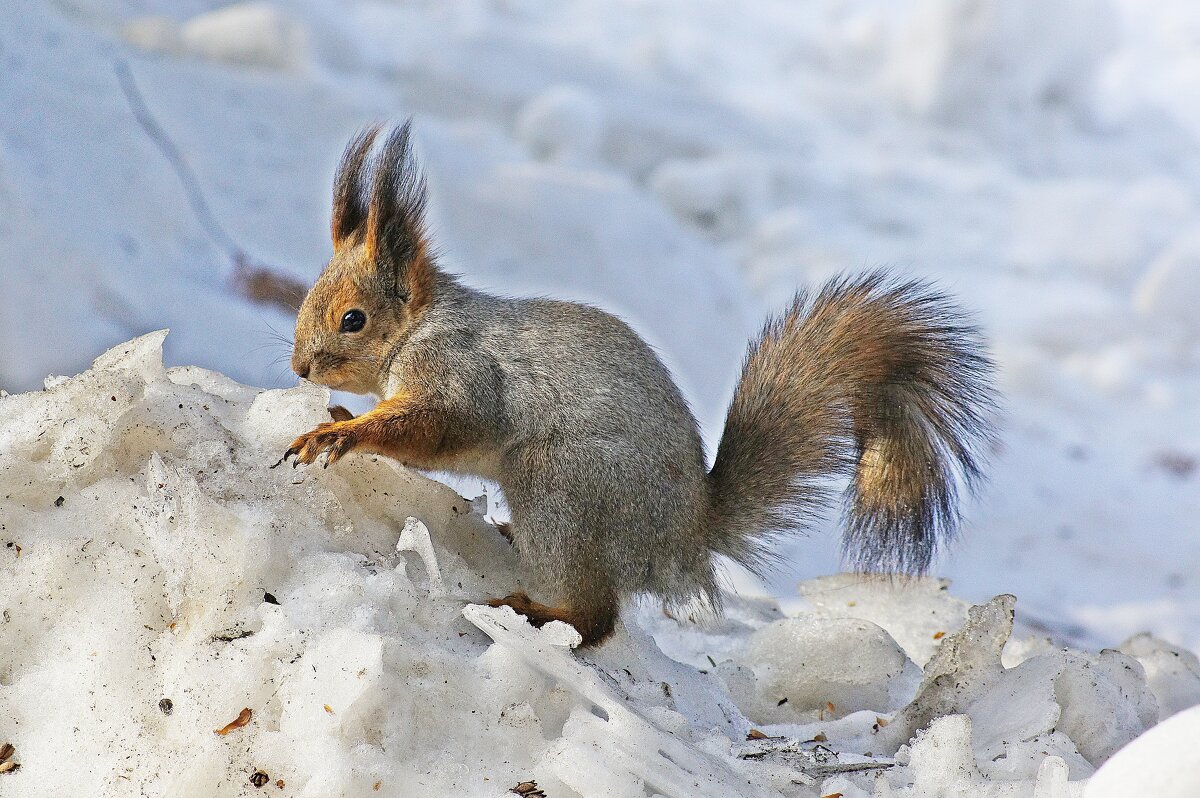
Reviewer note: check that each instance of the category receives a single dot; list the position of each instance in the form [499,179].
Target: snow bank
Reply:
[562,123]
[161,578]
[1169,292]
[207,624]
[1165,763]
[248,34]
[717,193]
[998,66]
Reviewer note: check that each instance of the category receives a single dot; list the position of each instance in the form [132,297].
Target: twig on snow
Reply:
[252,279]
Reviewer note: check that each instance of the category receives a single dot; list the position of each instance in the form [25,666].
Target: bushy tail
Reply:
[880,381]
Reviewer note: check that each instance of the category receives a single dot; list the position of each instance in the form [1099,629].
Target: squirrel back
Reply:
[598,455]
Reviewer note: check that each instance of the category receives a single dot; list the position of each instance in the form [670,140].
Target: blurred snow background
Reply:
[686,164]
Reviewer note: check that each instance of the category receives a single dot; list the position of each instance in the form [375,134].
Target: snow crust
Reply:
[160,579]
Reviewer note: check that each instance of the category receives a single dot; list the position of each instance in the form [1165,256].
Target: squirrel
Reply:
[881,381]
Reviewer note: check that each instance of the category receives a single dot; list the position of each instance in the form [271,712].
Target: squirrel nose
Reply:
[301,368]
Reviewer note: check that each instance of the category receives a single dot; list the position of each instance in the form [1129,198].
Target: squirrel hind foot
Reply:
[594,624]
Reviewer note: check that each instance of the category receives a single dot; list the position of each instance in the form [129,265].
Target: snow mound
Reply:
[718,193]
[1165,763]
[163,580]
[255,34]
[207,623]
[1172,673]
[808,665]
[996,65]
[563,123]
[1169,291]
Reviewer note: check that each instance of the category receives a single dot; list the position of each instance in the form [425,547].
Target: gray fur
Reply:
[582,427]
[598,455]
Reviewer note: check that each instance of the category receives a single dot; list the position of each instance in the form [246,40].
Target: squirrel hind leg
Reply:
[594,621]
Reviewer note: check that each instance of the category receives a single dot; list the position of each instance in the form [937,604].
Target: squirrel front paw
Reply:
[335,438]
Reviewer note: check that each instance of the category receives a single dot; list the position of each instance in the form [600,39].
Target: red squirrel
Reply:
[882,381]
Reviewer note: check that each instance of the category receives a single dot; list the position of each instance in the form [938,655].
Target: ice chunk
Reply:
[1081,708]
[916,611]
[1105,702]
[1051,780]
[964,666]
[141,356]
[415,537]
[333,683]
[940,759]
[1018,705]
[1172,673]
[827,667]
[940,762]
[637,750]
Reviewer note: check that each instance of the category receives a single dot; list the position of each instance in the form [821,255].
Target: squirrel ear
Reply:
[349,195]
[395,237]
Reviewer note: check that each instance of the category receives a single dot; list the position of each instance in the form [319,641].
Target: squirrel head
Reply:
[382,275]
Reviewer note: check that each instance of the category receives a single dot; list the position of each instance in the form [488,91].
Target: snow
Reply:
[805,663]
[687,168]
[162,576]
[562,123]
[252,34]
[1162,762]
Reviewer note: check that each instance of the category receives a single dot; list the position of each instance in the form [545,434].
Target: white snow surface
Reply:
[687,165]
[162,575]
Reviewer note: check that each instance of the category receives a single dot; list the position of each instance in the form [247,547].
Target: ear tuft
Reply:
[396,217]
[349,194]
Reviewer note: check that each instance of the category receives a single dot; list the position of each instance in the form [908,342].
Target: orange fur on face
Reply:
[382,265]
[357,361]
[422,276]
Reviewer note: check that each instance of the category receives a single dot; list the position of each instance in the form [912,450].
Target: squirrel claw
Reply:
[289,453]
[334,439]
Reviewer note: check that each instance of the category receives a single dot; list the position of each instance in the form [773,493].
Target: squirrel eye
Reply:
[353,321]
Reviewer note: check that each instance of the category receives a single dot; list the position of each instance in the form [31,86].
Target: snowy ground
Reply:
[209,624]
[688,167]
